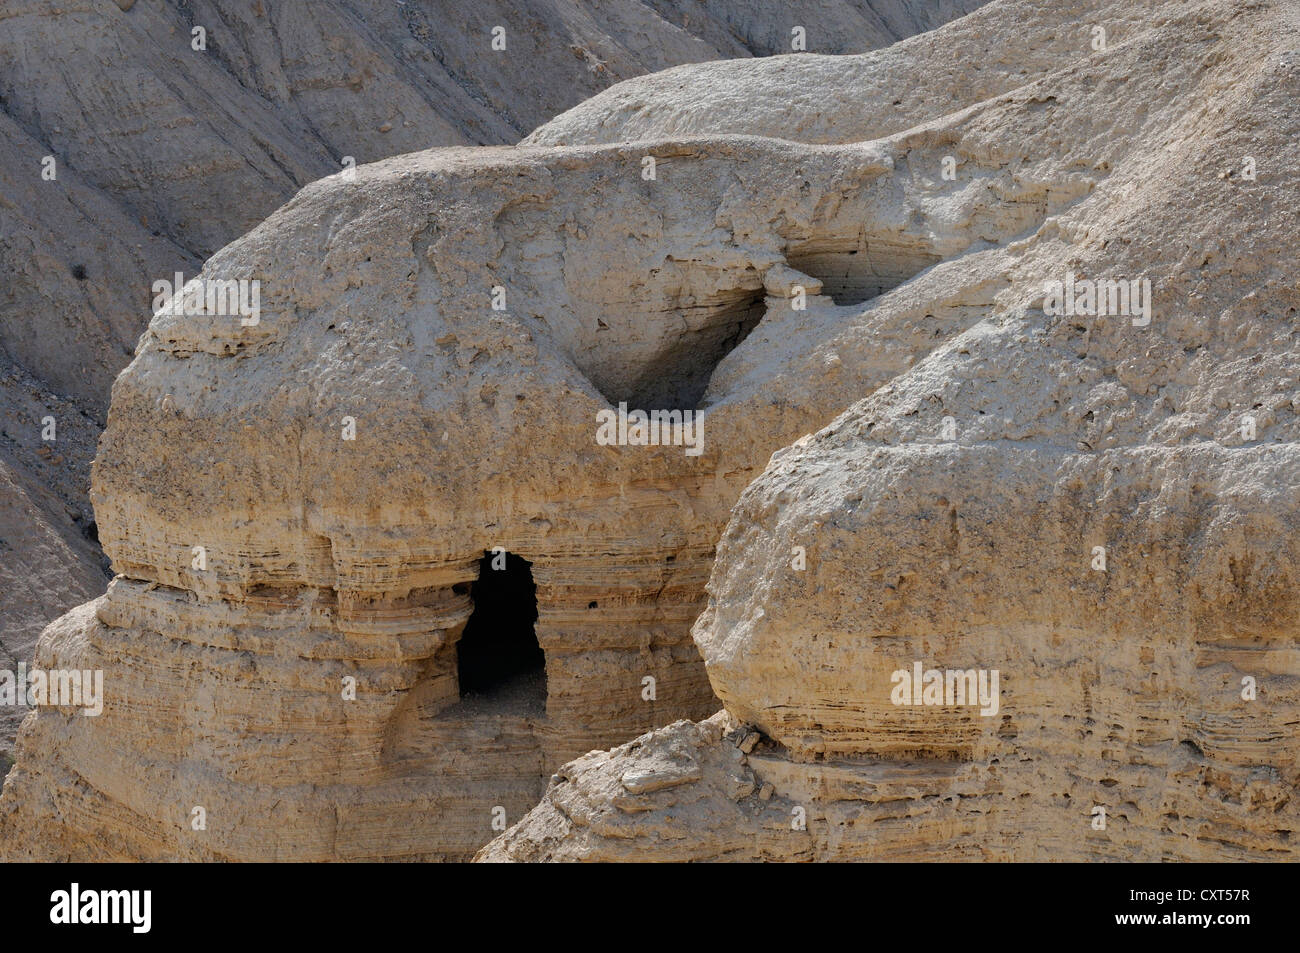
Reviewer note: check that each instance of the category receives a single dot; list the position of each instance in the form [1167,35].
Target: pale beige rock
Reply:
[995,51]
[332,560]
[49,554]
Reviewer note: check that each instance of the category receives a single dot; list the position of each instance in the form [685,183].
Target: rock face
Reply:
[1100,510]
[162,146]
[74,275]
[340,469]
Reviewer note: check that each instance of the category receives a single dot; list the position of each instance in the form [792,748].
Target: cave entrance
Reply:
[679,376]
[498,659]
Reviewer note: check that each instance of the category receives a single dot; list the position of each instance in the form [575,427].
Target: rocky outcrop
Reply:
[1098,510]
[74,277]
[162,145]
[344,465]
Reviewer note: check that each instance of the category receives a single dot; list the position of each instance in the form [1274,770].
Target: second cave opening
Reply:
[498,656]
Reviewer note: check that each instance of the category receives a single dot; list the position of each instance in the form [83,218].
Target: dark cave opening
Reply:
[680,376]
[498,653]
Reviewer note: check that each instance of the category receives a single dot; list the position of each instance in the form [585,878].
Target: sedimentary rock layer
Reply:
[309,500]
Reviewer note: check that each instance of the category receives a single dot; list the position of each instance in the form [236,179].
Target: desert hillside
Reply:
[889,455]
